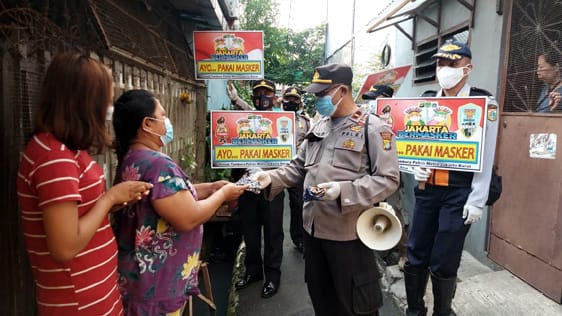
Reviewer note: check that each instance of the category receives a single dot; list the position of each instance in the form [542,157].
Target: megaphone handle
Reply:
[381,223]
[421,185]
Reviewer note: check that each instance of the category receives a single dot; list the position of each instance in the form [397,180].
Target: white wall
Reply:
[345,24]
[216,95]
[485,42]
[340,24]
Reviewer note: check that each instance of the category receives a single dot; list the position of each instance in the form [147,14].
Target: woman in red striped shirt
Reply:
[62,197]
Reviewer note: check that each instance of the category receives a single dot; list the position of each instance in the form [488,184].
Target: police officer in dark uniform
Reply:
[451,200]
[257,212]
[292,101]
[333,161]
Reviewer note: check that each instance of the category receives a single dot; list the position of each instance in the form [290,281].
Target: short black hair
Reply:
[129,111]
[551,56]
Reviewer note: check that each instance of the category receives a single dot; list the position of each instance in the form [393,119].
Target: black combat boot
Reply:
[443,293]
[416,282]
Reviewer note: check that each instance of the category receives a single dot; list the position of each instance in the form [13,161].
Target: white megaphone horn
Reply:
[379,228]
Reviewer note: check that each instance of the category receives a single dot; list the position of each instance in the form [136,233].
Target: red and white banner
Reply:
[391,77]
[242,139]
[228,55]
[441,133]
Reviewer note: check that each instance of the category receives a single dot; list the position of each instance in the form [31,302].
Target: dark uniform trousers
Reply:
[342,277]
[255,212]
[296,203]
[438,231]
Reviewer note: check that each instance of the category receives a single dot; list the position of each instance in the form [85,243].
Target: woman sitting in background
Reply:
[548,71]
[159,239]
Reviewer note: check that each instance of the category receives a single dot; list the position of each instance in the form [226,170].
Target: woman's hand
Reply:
[232,191]
[215,186]
[554,100]
[67,233]
[127,192]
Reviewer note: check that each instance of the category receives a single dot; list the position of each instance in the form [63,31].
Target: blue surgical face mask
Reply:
[325,106]
[167,138]
[169,135]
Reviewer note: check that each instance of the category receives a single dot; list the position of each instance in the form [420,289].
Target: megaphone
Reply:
[379,228]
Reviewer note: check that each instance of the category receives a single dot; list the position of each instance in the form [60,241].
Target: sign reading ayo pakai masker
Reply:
[228,55]
[441,133]
[242,139]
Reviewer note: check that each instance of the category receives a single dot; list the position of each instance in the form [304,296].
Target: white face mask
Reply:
[448,77]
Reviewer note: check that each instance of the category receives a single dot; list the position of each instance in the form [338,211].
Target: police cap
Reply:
[453,50]
[268,84]
[292,91]
[329,75]
[378,90]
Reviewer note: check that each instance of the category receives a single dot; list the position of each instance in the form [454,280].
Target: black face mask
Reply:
[262,102]
[290,106]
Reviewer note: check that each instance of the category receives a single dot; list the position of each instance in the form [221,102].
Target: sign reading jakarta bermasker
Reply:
[244,139]
[228,55]
[442,133]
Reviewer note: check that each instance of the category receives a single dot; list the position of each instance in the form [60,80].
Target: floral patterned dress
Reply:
[157,266]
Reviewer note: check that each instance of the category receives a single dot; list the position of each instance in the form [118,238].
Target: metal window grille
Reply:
[536,26]
[424,69]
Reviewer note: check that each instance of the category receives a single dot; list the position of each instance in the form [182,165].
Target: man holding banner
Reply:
[447,201]
[257,212]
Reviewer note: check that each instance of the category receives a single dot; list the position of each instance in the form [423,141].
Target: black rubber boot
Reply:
[416,282]
[443,293]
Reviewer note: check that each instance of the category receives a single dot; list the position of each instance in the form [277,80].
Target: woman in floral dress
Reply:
[159,239]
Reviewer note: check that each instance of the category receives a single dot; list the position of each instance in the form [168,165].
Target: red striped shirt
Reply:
[50,173]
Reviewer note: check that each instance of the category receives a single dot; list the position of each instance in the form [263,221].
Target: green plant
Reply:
[244,92]
[187,160]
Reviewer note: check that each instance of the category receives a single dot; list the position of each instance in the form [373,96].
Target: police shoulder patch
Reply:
[492,114]
[386,140]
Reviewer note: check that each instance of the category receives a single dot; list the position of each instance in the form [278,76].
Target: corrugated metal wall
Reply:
[143,46]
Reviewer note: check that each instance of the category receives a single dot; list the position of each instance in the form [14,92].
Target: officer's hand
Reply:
[421,174]
[263,178]
[471,213]
[332,190]
[231,91]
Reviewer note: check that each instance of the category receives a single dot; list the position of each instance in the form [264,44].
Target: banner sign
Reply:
[228,55]
[243,139]
[391,77]
[442,133]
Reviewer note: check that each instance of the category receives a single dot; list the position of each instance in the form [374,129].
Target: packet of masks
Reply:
[313,193]
[248,179]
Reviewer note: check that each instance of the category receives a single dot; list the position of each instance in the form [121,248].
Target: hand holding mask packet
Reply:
[313,193]
[248,179]
[253,186]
